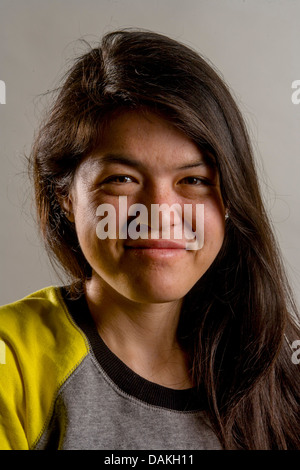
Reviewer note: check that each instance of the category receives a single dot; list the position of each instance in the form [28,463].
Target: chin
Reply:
[156,294]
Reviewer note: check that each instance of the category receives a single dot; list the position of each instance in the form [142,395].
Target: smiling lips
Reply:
[155,245]
[156,249]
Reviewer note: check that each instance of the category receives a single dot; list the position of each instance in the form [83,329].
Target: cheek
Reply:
[85,224]
[214,228]
[211,220]
[95,245]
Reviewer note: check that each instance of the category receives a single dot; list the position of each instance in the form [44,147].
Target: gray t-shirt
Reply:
[104,405]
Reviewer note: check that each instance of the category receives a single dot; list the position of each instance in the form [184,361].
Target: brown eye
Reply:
[120,179]
[195,181]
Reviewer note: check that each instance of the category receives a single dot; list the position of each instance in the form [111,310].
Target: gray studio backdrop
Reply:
[253,43]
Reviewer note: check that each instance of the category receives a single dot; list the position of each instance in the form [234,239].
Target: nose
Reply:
[163,207]
[168,217]
[158,192]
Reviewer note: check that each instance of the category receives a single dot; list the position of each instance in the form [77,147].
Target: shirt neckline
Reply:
[125,378]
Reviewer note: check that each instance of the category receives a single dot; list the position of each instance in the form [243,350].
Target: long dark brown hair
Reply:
[238,321]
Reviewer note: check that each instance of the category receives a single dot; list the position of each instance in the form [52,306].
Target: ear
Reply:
[67,208]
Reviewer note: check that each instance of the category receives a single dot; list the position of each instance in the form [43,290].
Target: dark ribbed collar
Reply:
[125,378]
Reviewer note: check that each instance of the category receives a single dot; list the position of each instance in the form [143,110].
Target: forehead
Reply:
[148,138]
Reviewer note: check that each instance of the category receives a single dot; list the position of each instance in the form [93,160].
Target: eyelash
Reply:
[203,181]
[112,179]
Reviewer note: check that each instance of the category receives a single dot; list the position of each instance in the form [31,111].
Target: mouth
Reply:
[155,245]
[155,249]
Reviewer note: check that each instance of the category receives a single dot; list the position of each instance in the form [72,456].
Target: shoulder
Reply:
[40,347]
[44,301]
[39,323]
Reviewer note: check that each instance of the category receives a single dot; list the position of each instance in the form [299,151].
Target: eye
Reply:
[195,181]
[119,179]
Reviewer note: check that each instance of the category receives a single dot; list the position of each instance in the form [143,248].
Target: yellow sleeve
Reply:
[39,348]
[12,401]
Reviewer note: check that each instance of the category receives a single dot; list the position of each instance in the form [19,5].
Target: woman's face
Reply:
[148,160]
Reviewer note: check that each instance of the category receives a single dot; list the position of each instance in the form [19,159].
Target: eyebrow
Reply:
[110,158]
[192,165]
[120,158]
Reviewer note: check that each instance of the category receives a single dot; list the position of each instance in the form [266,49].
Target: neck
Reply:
[143,336]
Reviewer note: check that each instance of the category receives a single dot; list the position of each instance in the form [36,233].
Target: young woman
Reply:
[151,345]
